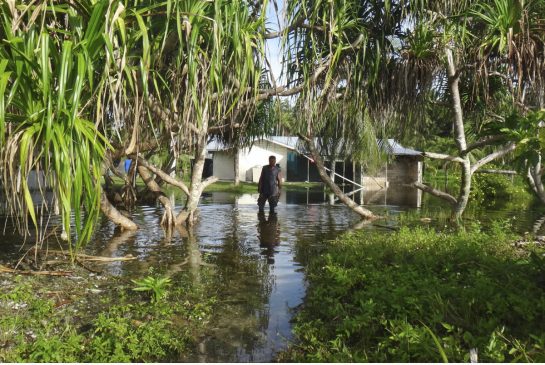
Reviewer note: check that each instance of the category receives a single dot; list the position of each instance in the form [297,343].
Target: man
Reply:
[269,185]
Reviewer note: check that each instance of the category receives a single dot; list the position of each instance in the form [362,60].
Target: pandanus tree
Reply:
[83,84]
[471,50]
[332,50]
[52,67]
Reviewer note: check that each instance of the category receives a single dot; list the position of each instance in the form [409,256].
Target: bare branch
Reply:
[170,118]
[114,215]
[284,91]
[300,23]
[208,181]
[163,175]
[441,156]
[221,128]
[483,142]
[491,157]
[438,193]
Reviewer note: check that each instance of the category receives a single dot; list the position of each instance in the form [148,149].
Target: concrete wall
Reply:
[223,165]
[256,157]
[391,184]
[404,170]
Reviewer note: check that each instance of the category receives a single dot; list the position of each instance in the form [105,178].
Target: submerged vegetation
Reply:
[422,295]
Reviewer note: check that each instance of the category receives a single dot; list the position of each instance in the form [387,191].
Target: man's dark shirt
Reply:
[268,180]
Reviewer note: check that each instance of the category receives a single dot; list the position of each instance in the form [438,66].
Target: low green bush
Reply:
[129,328]
[491,188]
[419,295]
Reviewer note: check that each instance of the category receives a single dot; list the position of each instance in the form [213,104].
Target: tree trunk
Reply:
[237,166]
[534,178]
[168,219]
[332,172]
[465,190]
[114,215]
[367,214]
[197,186]
[459,134]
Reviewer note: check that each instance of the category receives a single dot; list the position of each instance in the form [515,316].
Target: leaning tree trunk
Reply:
[367,214]
[114,215]
[534,178]
[197,186]
[168,219]
[332,172]
[460,136]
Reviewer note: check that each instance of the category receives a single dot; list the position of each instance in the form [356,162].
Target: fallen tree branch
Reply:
[438,193]
[5,269]
[84,257]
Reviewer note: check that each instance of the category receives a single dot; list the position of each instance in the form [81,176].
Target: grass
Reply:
[418,295]
[229,187]
[251,188]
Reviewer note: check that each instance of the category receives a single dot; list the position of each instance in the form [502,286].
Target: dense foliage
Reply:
[37,326]
[421,295]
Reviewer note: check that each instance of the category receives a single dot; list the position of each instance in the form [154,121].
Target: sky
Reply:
[273,45]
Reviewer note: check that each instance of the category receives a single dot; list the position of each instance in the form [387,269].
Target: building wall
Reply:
[404,170]
[223,165]
[391,186]
[258,156]
[250,158]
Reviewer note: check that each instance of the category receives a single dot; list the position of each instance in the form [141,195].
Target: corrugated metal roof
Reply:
[293,143]
[396,149]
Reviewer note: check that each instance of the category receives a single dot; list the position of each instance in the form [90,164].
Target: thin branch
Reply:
[441,156]
[491,157]
[483,142]
[284,91]
[223,127]
[171,118]
[300,23]
[438,193]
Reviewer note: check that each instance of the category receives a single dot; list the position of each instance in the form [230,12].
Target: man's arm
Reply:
[279,180]
[259,183]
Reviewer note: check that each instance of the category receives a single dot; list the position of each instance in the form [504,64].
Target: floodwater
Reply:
[259,259]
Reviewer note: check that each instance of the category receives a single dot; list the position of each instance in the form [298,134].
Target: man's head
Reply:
[272,160]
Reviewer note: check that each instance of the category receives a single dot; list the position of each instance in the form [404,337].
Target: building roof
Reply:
[394,148]
[293,143]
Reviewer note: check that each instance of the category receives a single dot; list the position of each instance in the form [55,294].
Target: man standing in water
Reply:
[269,185]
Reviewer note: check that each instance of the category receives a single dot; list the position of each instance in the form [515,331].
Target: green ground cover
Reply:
[100,319]
[227,186]
[421,295]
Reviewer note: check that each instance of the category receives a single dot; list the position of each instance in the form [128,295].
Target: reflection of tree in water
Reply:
[244,287]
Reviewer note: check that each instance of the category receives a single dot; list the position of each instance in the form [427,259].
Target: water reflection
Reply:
[268,231]
[257,259]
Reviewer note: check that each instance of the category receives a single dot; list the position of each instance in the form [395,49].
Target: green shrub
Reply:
[419,295]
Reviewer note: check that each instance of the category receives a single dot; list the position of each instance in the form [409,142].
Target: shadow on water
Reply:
[258,260]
